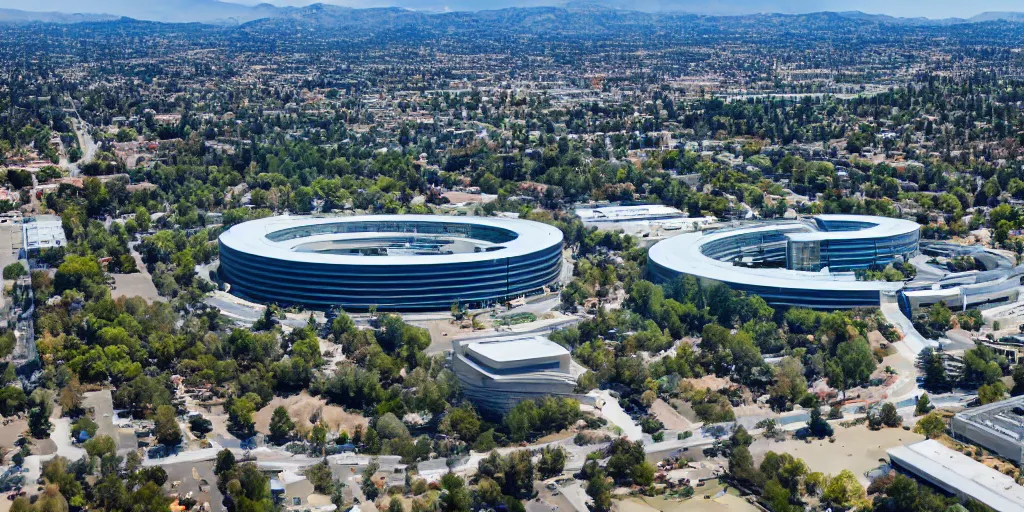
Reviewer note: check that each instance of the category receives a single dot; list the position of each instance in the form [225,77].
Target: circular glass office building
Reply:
[391,262]
[792,263]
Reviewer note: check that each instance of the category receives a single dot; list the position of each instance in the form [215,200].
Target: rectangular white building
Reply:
[43,232]
[958,474]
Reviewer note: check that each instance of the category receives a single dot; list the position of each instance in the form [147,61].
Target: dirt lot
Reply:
[302,407]
[139,284]
[441,334]
[464,197]
[728,502]
[132,285]
[856,448]
[669,416]
[708,382]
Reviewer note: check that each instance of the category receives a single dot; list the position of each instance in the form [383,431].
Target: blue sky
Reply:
[907,8]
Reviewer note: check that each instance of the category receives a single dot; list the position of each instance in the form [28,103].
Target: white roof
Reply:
[516,348]
[683,254]
[962,473]
[881,227]
[43,231]
[251,237]
[619,212]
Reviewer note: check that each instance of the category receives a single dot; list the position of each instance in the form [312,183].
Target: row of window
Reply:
[475,231]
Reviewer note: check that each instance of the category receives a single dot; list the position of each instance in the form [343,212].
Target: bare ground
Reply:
[856,448]
[132,285]
[728,502]
[441,334]
[708,382]
[669,416]
[302,408]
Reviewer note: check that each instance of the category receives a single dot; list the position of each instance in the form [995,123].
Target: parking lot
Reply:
[102,403]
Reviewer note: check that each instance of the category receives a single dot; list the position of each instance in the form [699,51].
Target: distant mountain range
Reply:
[16,16]
[226,13]
[168,11]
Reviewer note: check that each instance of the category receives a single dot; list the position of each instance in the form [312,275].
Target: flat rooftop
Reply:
[1004,418]
[638,212]
[683,254]
[960,473]
[870,227]
[514,349]
[290,238]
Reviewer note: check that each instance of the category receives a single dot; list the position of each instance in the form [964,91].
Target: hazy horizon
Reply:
[901,8]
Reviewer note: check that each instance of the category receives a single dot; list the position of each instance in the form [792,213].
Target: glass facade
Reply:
[491,234]
[407,287]
[795,296]
[839,253]
[804,256]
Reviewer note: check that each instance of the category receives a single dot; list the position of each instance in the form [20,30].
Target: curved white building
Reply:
[792,263]
[392,262]
[498,373]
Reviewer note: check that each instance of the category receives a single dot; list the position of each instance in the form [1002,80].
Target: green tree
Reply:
[843,490]
[225,462]
[240,420]
[485,441]
[320,476]
[40,404]
[368,486]
[857,361]
[889,416]
[77,273]
[14,271]
[100,446]
[818,426]
[12,401]
[166,425]
[901,494]
[935,377]
[600,490]
[463,422]
[931,425]
[990,393]
[924,405]
[200,426]
[456,496]
[518,474]
[741,465]
[552,461]
[342,325]
[70,397]
[281,425]
[318,437]
[1018,380]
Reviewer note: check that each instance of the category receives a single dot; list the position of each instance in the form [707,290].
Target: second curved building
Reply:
[794,263]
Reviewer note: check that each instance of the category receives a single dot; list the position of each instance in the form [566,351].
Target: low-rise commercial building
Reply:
[632,213]
[958,474]
[498,373]
[42,232]
[998,427]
